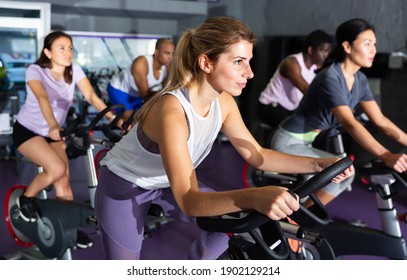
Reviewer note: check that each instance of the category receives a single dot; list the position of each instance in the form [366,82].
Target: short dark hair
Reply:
[317,38]
[162,41]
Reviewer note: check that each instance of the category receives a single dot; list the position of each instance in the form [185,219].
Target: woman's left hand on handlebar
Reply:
[350,171]
[397,162]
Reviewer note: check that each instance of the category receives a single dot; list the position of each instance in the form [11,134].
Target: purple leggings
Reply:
[121,209]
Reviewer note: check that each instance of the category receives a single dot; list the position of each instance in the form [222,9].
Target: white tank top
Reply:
[124,81]
[132,162]
[282,91]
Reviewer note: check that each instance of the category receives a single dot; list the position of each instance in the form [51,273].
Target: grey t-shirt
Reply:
[328,90]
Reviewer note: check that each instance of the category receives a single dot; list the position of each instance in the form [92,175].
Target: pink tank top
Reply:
[281,91]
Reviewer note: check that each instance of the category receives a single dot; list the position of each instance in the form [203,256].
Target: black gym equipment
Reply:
[341,239]
[255,236]
[55,231]
[346,239]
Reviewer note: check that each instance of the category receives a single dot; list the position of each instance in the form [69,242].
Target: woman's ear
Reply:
[346,47]
[47,53]
[204,63]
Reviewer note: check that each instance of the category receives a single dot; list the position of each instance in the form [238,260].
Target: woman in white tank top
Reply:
[174,131]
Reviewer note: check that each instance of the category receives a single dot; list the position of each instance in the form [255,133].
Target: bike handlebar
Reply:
[78,137]
[250,221]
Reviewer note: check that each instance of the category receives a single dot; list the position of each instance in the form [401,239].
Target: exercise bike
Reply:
[345,239]
[255,236]
[341,239]
[55,232]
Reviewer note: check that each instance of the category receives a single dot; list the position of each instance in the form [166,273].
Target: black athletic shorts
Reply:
[22,134]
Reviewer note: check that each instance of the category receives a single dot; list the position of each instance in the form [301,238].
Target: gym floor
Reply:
[222,168]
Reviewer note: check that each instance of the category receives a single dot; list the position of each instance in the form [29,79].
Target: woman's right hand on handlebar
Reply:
[54,133]
[276,202]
